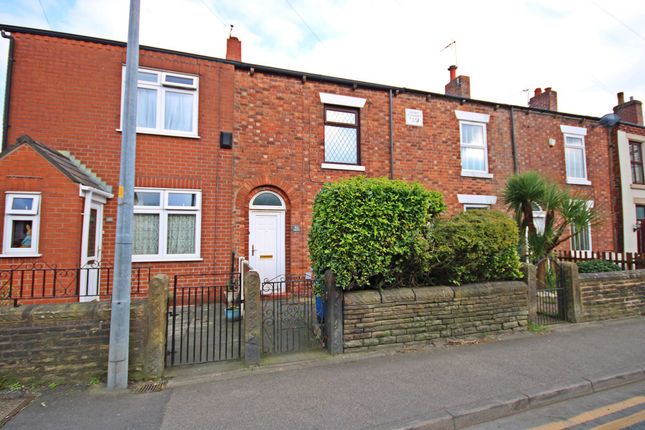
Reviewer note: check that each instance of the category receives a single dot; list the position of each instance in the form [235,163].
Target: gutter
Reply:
[84,189]
[7,90]
[513,145]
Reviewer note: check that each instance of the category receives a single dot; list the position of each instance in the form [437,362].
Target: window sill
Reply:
[637,186]
[578,181]
[164,133]
[476,174]
[20,255]
[352,167]
[158,259]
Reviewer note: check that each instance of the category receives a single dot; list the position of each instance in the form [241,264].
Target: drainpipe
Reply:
[513,147]
[7,91]
[391,140]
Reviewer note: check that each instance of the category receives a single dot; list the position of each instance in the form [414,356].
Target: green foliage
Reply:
[474,246]
[537,328]
[595,266]
[563,211]
[94,380]
[365,229]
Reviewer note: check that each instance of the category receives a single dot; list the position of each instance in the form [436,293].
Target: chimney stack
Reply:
[233,49]
[458,86]
[546,100]
[631,111]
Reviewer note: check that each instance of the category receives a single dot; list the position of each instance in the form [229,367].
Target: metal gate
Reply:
[288,315]
[205,319]
[551,293]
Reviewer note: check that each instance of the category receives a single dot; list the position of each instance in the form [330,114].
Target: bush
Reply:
[364,229]
[595,266]
[474,246]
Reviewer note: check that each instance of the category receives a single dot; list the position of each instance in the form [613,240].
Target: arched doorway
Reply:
[267,234]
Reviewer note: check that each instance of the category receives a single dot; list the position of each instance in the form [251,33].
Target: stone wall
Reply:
[612,294]
[404,316]
[69,342]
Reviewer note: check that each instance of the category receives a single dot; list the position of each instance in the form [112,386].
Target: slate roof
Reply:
[65,163]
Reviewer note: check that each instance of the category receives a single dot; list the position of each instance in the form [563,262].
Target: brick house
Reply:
[230,155]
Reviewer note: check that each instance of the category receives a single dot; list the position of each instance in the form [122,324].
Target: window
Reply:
[471,207]
[167,103]
[581,240]
[167,225]
[341,135]
[636,157]
[21,224]
[539,218]
[476,201]
[574,154]
[473,144]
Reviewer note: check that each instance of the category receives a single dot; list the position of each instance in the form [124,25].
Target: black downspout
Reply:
[7,90]
[391,140]
[513,147]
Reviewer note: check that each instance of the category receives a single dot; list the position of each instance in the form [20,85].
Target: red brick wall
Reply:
[67,95]
[61,207]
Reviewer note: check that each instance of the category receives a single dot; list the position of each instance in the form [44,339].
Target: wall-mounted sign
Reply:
[414,117]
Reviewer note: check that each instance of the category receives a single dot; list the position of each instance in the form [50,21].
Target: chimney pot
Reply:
[621,98]
[546,100]
[631,98]
[547,90]
[538,91]
[453,72]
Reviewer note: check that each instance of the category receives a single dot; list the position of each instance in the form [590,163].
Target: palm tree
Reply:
[564,213]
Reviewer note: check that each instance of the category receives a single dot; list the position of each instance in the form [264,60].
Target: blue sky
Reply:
[587,50]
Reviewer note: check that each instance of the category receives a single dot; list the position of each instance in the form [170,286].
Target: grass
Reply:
[537,328]
[94,380]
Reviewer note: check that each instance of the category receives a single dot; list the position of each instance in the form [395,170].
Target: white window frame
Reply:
[162,86]
[331,100]
[577,133]
[11,215]
[476,201]
[480,120]
[164,210]
[590,204]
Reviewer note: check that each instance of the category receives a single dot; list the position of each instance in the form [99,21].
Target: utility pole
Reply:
[120,319]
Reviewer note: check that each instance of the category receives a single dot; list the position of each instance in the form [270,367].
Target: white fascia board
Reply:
[338,100]
[476,199]
[569,129]
[472,116]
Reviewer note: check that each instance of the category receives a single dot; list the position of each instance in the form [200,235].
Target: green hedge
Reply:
[365,229]
[474,246]
[595,266]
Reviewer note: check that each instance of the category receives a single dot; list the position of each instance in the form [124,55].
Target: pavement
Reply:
[447,386]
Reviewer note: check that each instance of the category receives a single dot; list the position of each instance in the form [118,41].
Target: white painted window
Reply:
[167,224]
[473,144]
[581,239]
[574,154]
[167,103]
[476,201]
[21,224]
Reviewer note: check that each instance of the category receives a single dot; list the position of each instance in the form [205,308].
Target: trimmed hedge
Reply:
[474,246]
[365,228]
[595,266]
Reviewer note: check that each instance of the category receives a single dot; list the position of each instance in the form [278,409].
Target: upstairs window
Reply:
[167,103]
[636,158]
[473,144]
[574,154]
[21,224]
[341,135]
[167,224]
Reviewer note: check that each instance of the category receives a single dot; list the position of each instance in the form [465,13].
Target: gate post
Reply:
[530,277]
[334,315]
[157,318]
[252,317]
[572,288]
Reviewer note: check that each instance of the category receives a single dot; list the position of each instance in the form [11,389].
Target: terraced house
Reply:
[230,155]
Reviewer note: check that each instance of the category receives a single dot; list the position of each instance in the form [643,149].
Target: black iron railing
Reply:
[41,283]
[205,318]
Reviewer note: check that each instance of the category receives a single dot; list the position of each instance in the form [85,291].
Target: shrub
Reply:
[364,229]
[594,266]
[474,246]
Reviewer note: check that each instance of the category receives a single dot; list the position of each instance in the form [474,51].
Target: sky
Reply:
[586,50]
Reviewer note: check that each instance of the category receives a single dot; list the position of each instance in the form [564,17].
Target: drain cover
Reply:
[150,387]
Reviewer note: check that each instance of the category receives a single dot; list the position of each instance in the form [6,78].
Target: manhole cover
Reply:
[150,387]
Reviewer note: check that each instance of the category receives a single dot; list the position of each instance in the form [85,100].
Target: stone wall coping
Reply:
[619,275]
[430,294]
[76,311]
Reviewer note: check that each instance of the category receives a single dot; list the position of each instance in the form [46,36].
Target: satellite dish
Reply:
[609,120]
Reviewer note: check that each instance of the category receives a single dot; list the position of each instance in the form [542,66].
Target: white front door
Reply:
[266,243]
[91,253]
